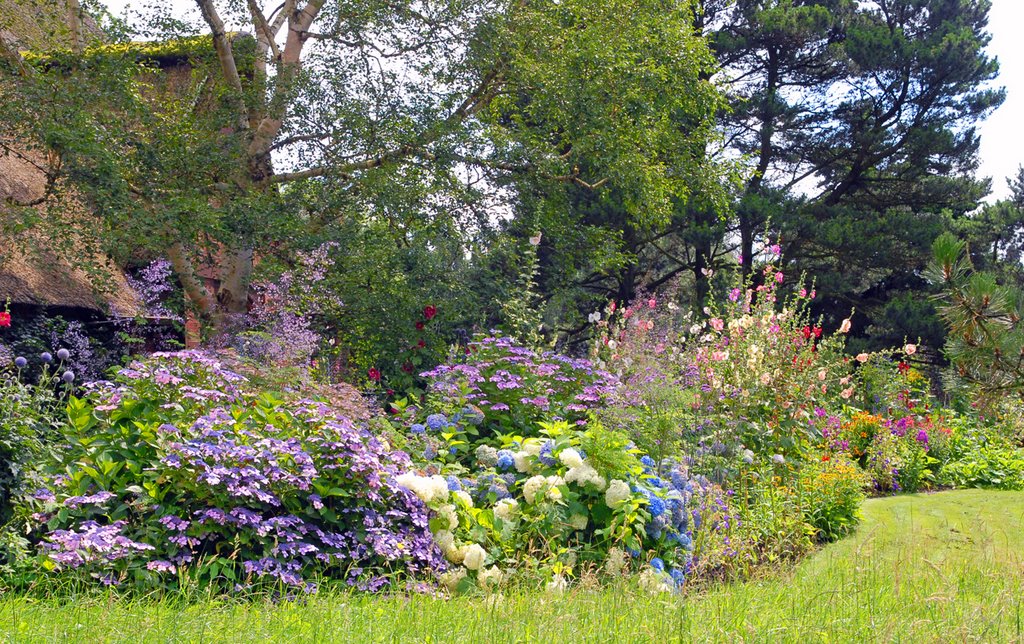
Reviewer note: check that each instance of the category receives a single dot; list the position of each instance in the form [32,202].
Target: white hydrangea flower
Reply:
[585,474]
[439,487]
[487,455]
[489,577]
[452,578]
[449,514]
[617,493]
[456,554]
[533,485]
[506,509]
[474,557]
[557,585]
[464,497]
[532,446]
[553,483]
[413,483]
[522,460]
[428,489]
[444,539]
[570,458]
[578,521]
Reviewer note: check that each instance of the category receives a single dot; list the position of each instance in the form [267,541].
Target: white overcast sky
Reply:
[1002,134]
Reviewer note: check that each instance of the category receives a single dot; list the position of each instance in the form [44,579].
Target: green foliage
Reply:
[986,336]
[831,491]
[31,417]
[174,476]
[980,455]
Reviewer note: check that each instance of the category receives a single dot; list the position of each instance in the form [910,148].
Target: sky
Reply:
[1002,134]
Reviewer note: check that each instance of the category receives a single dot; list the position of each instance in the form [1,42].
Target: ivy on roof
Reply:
[176,51]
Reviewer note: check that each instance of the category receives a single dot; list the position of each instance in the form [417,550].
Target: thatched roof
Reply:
[39,24]
[45,277]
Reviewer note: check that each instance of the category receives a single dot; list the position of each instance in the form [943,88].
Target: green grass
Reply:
[933,568]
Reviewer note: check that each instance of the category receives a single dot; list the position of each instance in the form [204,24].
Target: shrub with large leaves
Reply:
[174,472]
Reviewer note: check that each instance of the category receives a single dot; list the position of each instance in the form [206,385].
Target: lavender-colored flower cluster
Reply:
[504,380]
[294,491]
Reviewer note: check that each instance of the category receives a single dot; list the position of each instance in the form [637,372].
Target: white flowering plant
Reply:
[546,507]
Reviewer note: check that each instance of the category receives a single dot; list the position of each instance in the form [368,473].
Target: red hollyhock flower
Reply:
[825,457]
[420,325]
[374,374]
[421,344]
[806,332]
[903,367]
[5,318]
[407,367]
[817,331]
[429,311]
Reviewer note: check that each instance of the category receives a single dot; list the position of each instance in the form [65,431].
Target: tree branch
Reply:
[226,57]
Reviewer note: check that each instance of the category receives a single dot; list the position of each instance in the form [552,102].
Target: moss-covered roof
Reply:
[165,53]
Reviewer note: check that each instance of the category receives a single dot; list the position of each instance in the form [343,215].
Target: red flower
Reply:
[429,311]
[5,318]
[903,367]
[407,367]
[421,344]
[807,332]
[420,325]
[817,331]
[374,374]
[826,457]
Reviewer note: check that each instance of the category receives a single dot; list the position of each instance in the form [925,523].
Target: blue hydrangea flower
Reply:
[436,421]
[685,540]
[656,482]
[632,553]
[678,576]
[453,484]
[505,459]
[510,479]
[656,506]
[430,453]
[647,461]
[417,428]
[678,480]
[545,455]
[658,564]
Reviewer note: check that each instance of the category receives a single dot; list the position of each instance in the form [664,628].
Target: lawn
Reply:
[936,567]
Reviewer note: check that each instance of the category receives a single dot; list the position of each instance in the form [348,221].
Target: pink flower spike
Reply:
[779,277]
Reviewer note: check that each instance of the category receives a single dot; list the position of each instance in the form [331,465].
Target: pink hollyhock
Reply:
[429,311]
